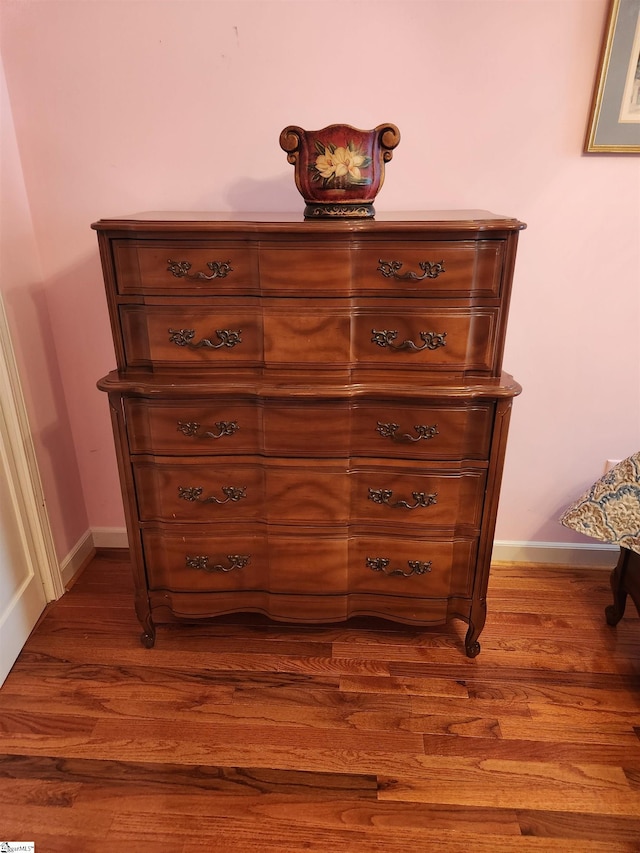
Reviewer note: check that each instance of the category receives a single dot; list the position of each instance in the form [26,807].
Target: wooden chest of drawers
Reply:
[310,416]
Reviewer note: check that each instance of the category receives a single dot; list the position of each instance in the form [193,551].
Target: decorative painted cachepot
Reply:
[339,169]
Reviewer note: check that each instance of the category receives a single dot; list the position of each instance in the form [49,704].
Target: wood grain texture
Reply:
[243,735]
[310,424]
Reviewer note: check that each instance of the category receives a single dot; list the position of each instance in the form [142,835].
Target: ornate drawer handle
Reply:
[194,494]
[219,269]
[383,496]
[391,269]
[184,338]
[201,561]
[430,340]
[190,429]
[423,432]
[416,567]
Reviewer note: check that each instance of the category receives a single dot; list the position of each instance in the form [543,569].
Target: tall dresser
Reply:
[310,417]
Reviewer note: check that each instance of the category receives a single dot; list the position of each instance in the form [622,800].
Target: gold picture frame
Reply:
[614,124]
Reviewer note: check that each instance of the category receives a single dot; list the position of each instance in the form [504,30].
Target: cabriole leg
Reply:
[143,611]
[477,618]
[471,644]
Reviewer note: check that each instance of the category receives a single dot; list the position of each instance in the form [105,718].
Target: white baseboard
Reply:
[110,537]
[589,555]
[77,557]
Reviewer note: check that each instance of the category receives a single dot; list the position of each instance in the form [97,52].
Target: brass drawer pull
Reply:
[416,567]
[194,494]
[430,340]
[201,561]
[383,497]
[391,269]
[191,429]
[184,338]
[423,432]
[180,269]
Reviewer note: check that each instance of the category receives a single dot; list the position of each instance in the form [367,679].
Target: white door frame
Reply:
[18,450]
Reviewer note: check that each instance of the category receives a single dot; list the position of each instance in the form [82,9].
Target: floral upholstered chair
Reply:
[610,511]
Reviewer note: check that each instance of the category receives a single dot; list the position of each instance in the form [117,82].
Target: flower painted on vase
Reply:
[338,166]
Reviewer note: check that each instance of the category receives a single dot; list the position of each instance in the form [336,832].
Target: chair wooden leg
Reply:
[614,612]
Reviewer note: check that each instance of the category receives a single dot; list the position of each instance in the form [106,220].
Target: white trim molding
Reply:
[109,537]
[32,507]
[587,554]
[77,558]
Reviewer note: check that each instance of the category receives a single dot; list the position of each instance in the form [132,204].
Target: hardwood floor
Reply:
[242,736]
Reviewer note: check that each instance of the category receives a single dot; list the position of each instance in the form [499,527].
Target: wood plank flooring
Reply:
[244,736]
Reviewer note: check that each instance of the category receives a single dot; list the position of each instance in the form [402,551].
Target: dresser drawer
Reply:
[194,491]
[438,269]
[396,498]
[378,333]
[192,562]
[192,427]
[284,333]
[218,426]
[455,339]
[295,491]
[286,563]
[197,490]
[178,336]
[324,565]
[315,333]
[222,425]
[438,432]
[419,567]
[176,268]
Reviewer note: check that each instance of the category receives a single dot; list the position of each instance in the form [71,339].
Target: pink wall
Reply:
[27,298]
[122,106]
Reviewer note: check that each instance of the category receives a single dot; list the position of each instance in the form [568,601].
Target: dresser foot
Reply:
[613,614]
[476,621]
[143,612]
[147,639]
[148,636]
[471,644]
[472,650]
